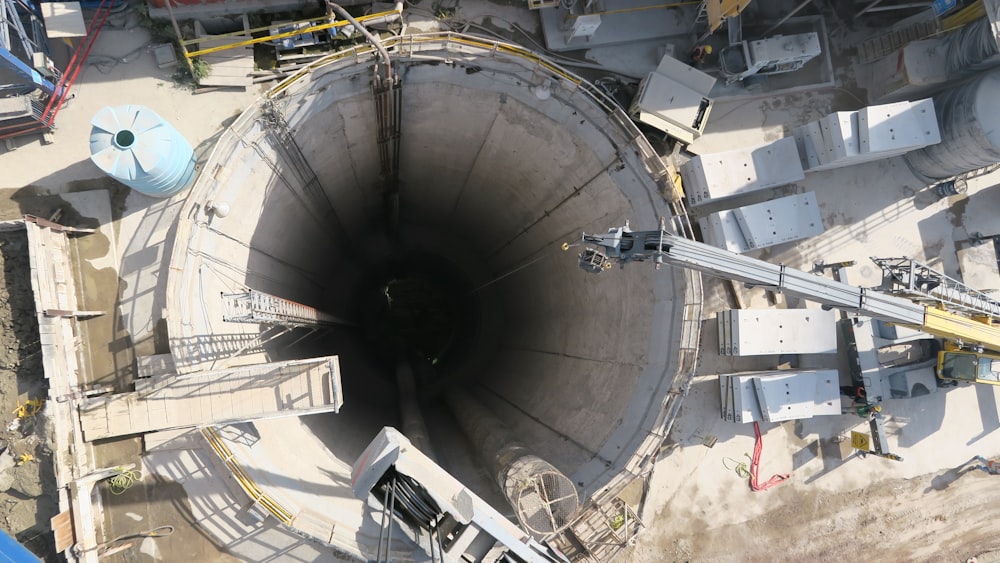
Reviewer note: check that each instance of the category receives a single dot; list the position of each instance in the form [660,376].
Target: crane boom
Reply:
[622,245]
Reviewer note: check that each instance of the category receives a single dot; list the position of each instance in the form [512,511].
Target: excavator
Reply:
[912,295]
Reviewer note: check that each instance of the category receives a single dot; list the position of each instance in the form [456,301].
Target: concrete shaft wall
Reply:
[494,177]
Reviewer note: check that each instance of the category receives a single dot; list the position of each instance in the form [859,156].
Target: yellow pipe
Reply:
[293,33]
[411,39]
[246,482]
[254,30]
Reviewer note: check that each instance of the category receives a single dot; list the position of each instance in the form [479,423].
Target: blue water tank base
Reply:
[137,147]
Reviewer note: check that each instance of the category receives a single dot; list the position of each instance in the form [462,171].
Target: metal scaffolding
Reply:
[22,38]
[923,284]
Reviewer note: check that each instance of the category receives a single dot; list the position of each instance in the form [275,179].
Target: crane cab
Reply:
[959,365]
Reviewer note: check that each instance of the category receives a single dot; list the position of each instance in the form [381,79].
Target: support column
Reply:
[542,497]
[410,416]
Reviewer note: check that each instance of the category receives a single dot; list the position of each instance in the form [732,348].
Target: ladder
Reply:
[702,16]
[881,45]
[923,284]
[257,307]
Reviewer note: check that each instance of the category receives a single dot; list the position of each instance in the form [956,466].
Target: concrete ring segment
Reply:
[492,179]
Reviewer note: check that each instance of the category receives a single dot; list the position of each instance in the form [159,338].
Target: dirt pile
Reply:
[27,483]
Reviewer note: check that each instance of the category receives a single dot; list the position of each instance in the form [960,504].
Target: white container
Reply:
[137,147]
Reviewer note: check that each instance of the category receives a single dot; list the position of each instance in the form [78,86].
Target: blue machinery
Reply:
[29,82]
[31,90]
[23,48]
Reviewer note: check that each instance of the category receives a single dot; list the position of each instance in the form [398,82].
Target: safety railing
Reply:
[459,43]
[246,483]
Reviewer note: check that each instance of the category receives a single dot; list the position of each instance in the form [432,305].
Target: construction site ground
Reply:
[836,505]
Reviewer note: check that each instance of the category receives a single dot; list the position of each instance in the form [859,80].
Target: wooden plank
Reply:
[138,413]
[156,410]
[62,529]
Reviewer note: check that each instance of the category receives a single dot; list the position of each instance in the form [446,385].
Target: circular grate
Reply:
[546,502]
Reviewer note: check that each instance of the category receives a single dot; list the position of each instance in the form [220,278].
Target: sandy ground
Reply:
[938,517]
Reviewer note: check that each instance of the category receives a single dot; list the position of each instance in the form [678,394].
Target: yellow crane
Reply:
[912,295]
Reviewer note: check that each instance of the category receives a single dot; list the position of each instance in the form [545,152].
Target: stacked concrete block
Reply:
[761,225]
[796,395]
[758,332]
[830,140]
[739,398]
[871,133]
[893,129]
[711,177]
[775,396]
[721,230]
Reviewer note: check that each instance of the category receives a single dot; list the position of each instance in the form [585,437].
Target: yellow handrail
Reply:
[292,33]
[246,482]
[493,46]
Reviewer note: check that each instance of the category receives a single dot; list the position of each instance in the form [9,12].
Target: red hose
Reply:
[758,447]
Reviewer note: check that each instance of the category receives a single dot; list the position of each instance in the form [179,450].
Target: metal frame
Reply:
[257,307]
[921,283]
[17,47]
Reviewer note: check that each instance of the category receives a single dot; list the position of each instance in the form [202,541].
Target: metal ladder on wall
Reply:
[257,307]
[923,284]
[881,45]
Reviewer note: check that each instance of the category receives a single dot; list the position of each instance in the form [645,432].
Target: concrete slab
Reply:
[898,127]
[785,219]
[978,265]
[795,395]
[758,332]
[63,19]
[716,176]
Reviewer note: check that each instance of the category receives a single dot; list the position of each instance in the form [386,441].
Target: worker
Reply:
[991,466]
[868,411]
[699,53]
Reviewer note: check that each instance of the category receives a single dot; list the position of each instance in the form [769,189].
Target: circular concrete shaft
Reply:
[470,282]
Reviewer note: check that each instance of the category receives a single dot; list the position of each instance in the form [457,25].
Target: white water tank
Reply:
[137,147]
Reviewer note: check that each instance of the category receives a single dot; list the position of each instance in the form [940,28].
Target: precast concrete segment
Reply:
[493,179]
